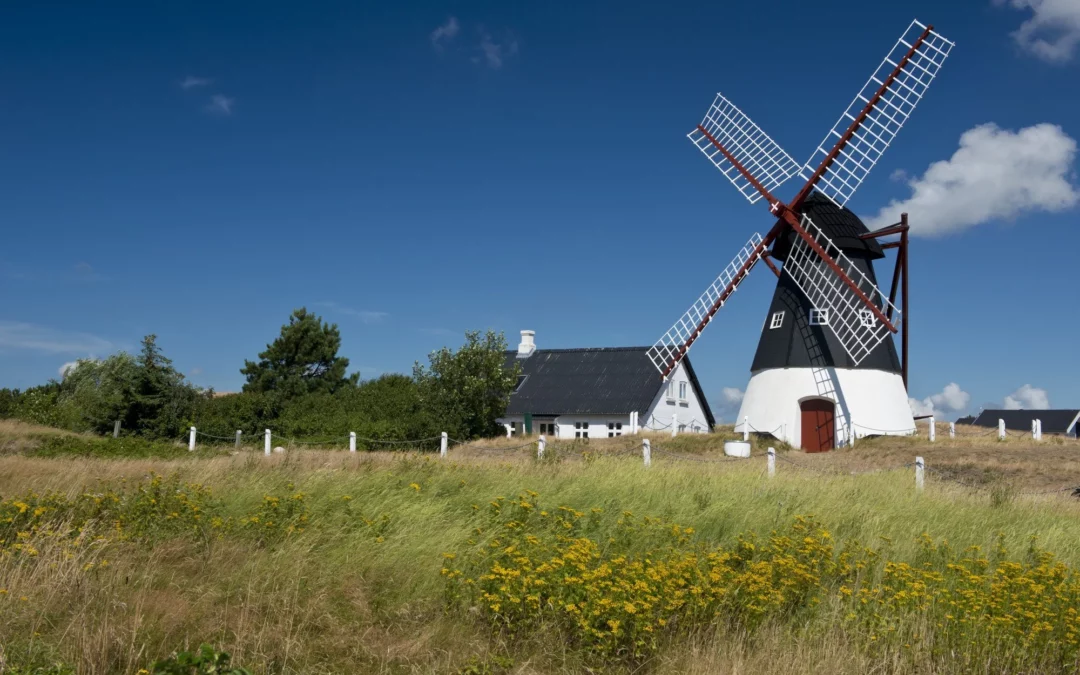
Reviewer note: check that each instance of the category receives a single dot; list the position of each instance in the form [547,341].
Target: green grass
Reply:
[359,588]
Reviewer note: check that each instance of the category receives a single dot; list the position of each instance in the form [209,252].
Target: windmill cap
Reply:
[838,224]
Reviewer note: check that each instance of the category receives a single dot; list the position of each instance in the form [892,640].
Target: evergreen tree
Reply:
[302,360]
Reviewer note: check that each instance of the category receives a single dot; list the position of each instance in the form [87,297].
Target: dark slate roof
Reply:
[838,224]
[600,381]
[1053,421]
[969,419]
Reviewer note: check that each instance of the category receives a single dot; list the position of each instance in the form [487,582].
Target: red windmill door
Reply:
[818,425]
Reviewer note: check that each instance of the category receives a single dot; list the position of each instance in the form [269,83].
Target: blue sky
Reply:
[413,170]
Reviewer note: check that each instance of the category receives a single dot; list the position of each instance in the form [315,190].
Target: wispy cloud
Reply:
[192,82]
[728,406]
[442,332]
[1052,33]
[220,105]
[366,315]
[31,337]
[996,174]
[445,33]
[493,53]
[85,273]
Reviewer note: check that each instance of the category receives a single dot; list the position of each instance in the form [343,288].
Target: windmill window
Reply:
[614,429]
[866,317]
[581,429]
[819,317]
[777,320]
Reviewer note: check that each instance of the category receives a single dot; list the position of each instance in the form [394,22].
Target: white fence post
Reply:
[266,446]
[634,423]
[541,445]
[509,430]
[646,451]
[1038,429]
[116,429]
[1001,429]
[191,440]
[674,423]
[952,429]
[772,462]
[746,428]
[238,435]
[352,441]
[442,444]
[1034,430]
[933,429]
[920,468]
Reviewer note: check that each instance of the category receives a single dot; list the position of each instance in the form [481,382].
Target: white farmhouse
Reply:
[600,393]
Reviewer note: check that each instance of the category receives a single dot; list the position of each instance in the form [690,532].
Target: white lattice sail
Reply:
[668,350]
[887,115]
[748,145]
[856,327]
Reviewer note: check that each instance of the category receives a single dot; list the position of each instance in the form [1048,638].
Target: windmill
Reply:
[826,369]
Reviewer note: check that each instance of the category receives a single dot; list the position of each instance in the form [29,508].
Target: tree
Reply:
[302,360]
[163,401]
[467,390]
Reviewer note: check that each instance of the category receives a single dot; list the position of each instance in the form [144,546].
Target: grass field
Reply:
[322,561]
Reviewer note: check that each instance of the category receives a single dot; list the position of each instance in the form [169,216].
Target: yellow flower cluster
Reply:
[617,593]
[614,600]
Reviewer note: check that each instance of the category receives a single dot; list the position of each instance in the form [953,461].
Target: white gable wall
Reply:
[689,411]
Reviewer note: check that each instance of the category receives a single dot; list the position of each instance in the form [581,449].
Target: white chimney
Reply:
[528,344]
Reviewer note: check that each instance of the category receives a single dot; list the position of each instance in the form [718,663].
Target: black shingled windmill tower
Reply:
[826,369]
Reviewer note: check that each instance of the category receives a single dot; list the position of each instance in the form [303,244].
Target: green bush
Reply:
[204,661]
[123,447]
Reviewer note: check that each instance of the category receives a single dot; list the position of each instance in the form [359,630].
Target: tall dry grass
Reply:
[359,589]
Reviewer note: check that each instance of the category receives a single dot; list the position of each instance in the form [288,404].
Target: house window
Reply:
[866,317]
[682,428]
[696,429]
[819,317]
[671,392]
[548,429]
[777,320]
[614,429]
[682,391]
[513,428]
[581,429]
[520,381]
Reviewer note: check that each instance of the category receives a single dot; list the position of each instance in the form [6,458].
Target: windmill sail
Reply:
[870,123]
[672,347]
[856,327]
[726,128]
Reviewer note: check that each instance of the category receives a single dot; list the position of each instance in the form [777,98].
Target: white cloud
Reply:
[192,82]
[31,337]
[495,53]
[728,407]
[220,104]
[366,315]
[996,174]
[1027,397]
[445,33]
[732,395]
[951,399]
[63,370]
[1053,31]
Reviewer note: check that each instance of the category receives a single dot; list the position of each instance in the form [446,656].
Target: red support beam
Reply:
[768,261]
[904,309]
[884,232]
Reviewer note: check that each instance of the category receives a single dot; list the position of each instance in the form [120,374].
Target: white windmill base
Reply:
[868,402]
